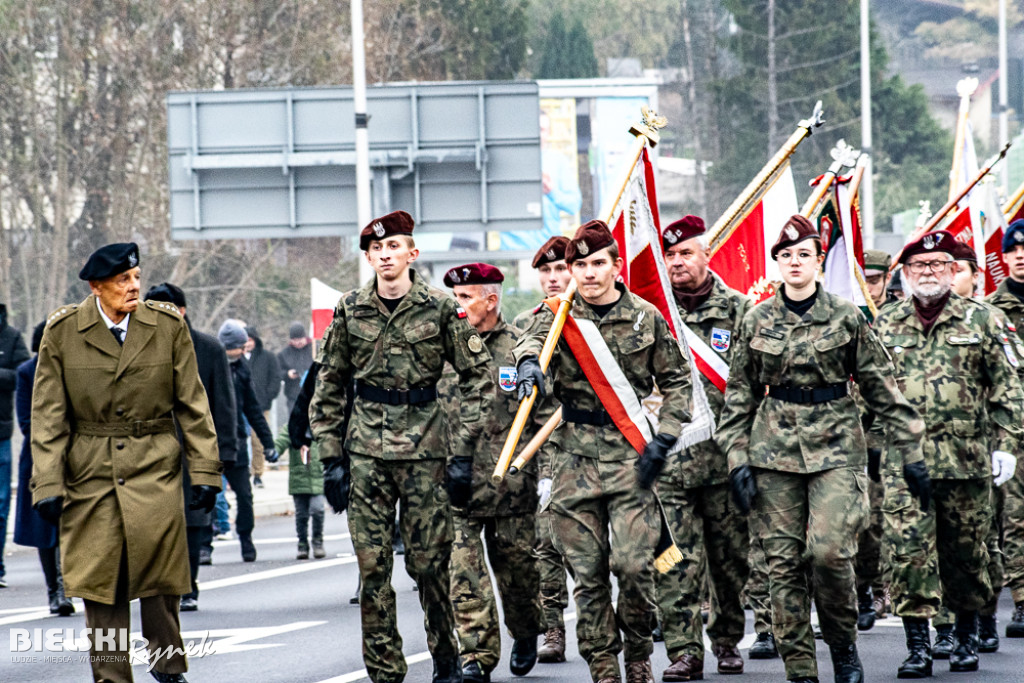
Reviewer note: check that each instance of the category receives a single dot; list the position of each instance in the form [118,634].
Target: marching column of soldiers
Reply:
[866,466]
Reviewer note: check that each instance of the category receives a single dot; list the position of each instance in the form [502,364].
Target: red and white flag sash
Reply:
[606,377]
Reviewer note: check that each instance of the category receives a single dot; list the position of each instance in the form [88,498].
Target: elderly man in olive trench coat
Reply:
[106,458]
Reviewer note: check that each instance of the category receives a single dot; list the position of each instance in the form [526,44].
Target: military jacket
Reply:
[104,439]
[830,344]
[642,344]
[717,323]
[961,378]
[516,494]
[1013,309]
[403,350]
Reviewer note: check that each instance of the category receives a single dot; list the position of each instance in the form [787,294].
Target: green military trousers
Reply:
[810,518]
[426,526]
[554,589]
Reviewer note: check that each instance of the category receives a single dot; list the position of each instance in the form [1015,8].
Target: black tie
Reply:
[118,335]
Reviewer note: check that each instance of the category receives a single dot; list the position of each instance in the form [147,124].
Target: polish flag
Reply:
[742,258]
[324,298]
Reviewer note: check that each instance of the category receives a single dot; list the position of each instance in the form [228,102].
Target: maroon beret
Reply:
[796,230]
[473,274]
[394,223]
[552,250]
[961,251]
[683,229]
[938,242]
[590,238]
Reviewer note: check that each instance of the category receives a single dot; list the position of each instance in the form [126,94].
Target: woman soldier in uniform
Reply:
[796,448]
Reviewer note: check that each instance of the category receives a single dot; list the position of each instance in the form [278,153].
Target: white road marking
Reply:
[275,573]
[272,541]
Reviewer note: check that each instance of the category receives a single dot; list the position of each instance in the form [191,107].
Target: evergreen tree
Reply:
[553,63]
[580,53]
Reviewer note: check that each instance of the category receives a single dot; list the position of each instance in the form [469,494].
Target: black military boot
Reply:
[169,678]
[943,642]
[918,663]
[846,663]
[988,634]
[865,609]
[474,673]
[447,671]
[524,655]
[763,647]
[965,637]
[1015,629]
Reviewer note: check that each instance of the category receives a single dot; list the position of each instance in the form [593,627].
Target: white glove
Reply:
[1003,467]
[544,492]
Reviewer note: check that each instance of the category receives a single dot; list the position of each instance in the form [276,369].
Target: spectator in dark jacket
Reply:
[29,527]
[216,378]
[12,354]
[233,336]
[266,380]
[295,359]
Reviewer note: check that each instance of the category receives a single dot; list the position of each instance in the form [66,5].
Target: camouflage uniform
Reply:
[594,485]
[553,567]
[960,377]
[503,514]
[398,450]
[809,458]
[708,529]
[1013,490]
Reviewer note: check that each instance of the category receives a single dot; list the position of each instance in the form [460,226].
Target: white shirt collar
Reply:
[110,323]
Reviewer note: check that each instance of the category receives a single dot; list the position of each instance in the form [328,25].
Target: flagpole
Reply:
[723,227]
[646,132]
[965,88]
[859,175]
[842,155]
[1009,208]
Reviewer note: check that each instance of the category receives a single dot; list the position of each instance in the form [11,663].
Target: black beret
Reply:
[165,291]
[110,260]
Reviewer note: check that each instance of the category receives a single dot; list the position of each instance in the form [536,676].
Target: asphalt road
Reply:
[279,619]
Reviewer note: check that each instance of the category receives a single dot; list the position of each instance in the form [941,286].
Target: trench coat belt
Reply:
[136,428]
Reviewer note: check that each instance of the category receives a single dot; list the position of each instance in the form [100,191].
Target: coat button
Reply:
[121,481]
[120,445]
[120,412]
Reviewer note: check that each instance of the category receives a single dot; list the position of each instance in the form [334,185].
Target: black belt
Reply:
[805,396]
[597,418]
[136,428]
[396,397]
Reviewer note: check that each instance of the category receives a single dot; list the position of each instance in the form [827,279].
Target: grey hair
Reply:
[492,288]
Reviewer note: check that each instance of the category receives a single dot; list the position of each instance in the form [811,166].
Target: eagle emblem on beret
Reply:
[1018,236]
[133,259]
[671,237]
[582,248]
[551,253]
[453,275]
[791,232]
[378,229]
[930,241]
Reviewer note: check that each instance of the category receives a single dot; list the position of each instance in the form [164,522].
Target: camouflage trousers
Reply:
[1013,533]
[757,586]
[868,565]
[938,555]
[810,519]
[510,549]
[713,538]
[426,527]
[554,589]
[605,524]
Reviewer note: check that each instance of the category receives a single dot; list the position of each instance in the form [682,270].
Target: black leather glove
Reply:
[459,480]
[50,509]
[919,483]
[744,488]
[270,455]
[652,461]
[204,498]
[337,482]
[875,464]
[528,376]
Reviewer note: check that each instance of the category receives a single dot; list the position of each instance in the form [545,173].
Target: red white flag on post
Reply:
[636,226]
[743,258]
[323,299]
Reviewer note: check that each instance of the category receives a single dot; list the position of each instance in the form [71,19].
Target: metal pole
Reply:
[361,120]
[867,199]
[1004,134]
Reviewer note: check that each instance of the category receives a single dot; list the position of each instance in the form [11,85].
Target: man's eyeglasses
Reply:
[919,267]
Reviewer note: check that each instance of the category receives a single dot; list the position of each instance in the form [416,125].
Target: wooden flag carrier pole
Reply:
[1010,207]
[646,133]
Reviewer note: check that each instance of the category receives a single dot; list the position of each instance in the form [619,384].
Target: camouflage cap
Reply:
[394,223]
[590,238]
[473,274]
[550,251]
[876,259]
[681,230]
[938,242]
[796,230]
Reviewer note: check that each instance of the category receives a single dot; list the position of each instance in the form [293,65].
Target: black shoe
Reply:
[398,545]
[447,671]
[803,679]
[657,633]
[817,633]
[188,604]
[474,673]
[988,634]
[763,647]
[1015,629]
[257,482]
[943,642]
[965,636]
[846,663]
[169,678]
[865,610]
[918,663]
[248,549]
[524,655]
